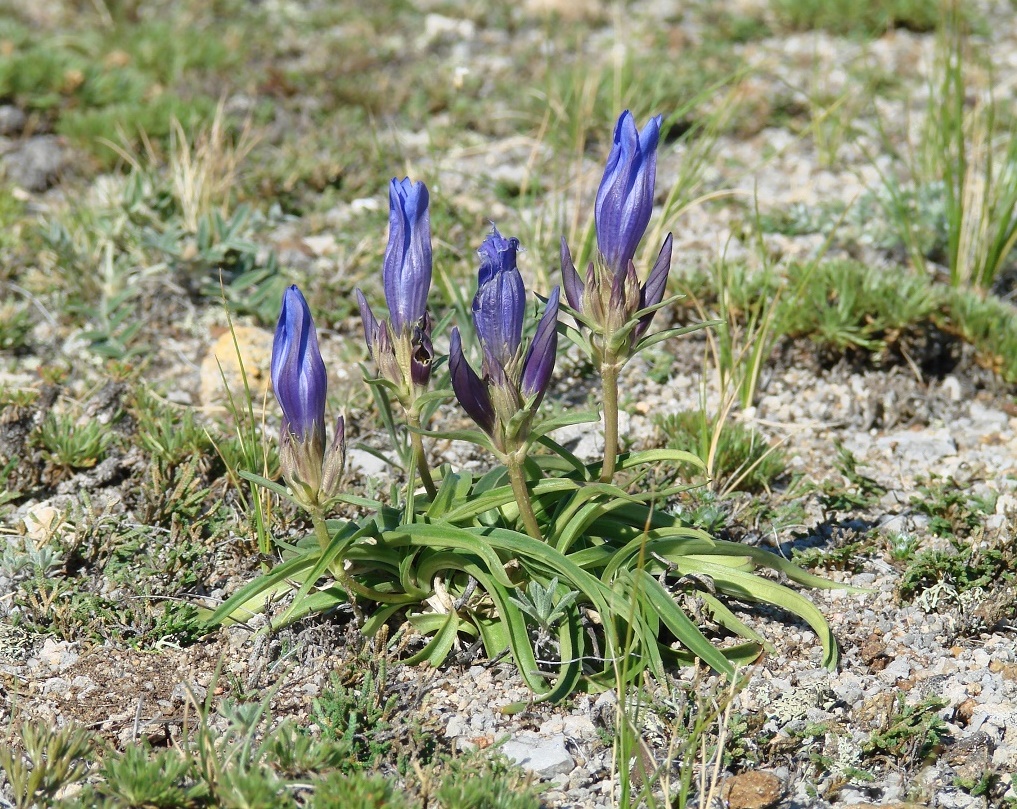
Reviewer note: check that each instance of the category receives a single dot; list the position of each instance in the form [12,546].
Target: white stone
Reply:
[544,756]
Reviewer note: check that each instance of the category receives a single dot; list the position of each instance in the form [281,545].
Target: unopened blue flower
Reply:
[401,346]
[625,197]
[539,362]
[298,372]
[500,302]
[407,265]
[300,384]
[611,294]
[511,382]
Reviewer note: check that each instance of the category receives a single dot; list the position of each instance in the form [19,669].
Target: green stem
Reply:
[609,380]
[518,479]
[337,569]
[419,458]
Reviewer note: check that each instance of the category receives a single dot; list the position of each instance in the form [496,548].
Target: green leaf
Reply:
[265,483]
[754,588]
[681,626]
[563,453]
[731,622]
[251,598]
[661,336]
[437,649]
[564,420]
[443,535]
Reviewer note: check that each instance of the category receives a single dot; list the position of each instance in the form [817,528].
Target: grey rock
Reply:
[12,120]
[36,164]
[369,465]
[924,447]
[544,756]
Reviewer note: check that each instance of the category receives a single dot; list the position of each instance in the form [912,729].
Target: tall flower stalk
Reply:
[401,346]
[503,398]
[301,384]
[611,305]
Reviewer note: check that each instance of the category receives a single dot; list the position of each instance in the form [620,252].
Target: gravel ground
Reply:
[807,726]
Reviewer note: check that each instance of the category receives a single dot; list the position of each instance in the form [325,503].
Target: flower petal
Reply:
[298,372]
[542,353]
[407,265]
[469,389]
[574,287]
[369,321]
[655,286]
[625,197]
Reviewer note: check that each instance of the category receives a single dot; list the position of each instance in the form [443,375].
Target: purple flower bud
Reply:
[625,197]
[470,390]
[298,372]
[540,358]
[407,265]
[574,287]
[401,346]
[653,290]
[502,401]
[500,302]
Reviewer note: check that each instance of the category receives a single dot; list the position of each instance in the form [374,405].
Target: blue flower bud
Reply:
[407,266]
[625,197]
[401,347]
[502,401]
[500,302]
[298,372]
[543,350]
[299,381]
[611,295]
[470,390]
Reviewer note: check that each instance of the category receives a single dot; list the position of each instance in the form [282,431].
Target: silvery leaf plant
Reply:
[573,569]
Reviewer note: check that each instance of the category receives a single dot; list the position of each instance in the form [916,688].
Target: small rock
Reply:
[565,9]
[927,446]
[36,163]
[369,465]
[255,349]
[544,756]
[42,522]
[323,245]
[56,655]
[12,120]
[951,388]
[754,789]
[885,806]
[438,26]
[971,756]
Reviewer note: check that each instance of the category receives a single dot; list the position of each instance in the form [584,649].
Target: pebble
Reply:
[222,370]
[12,120]
[543,755]
[36,163]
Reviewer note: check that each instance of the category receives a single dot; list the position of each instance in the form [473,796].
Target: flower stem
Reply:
[514,464]
[609,381]
[420,459]
[337,568]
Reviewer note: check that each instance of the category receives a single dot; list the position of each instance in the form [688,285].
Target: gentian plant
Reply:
[505,398]
[300,384]
[612,308]
[401,346]
[542,556]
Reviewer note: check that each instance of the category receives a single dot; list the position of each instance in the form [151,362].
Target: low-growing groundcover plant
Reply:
[571,568]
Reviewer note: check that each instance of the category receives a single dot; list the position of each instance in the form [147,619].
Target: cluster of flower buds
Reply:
[504,397]
[300,384]
[611,296]
[401,346]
